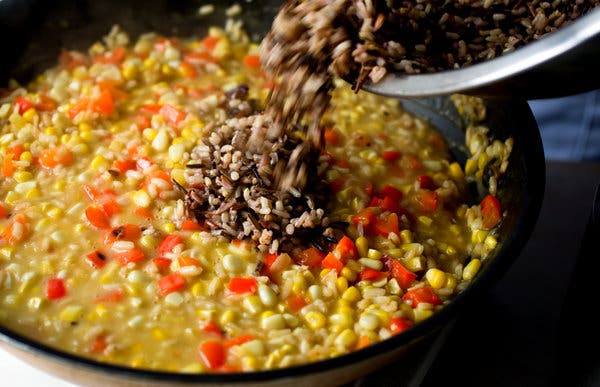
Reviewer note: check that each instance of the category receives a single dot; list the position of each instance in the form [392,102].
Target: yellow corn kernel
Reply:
[450,250]
[450,282]
[422,314]
[482,160]
[374,254]
[101,310]
[436,278]
[168,227]
[470,167]
[471,269]
[26,156]
[341,284]
[149,134]
[490,241]
[188,133]
[362,245]
[349,274]
[32,193]
[406,236]
[346,339]
[425,220]
[272,321]
[197,289]
[22,176]
[149,63]
[84,127]
[455,171]
[383,316]
[299,283]
[141,198]
[71,313]
[342,320]
[227,317]
[352,294]
[130,72]
[253,304]
[6,252]
[478,236]
[159,334]
[55,212]
[30,115]
[99,162]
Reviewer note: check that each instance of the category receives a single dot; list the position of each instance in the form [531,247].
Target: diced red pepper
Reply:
[295,302]
[187,261]
[403,276]
[24,104]
[134,255]
[52,157]
[399,324]
[239,340]
[331,136]
[111,57]
[242,285]
[111,207]
[368,274]
[367,217]
[345,249]
[211,328]
[392,192]
[389,204]
[114,295]
[491,211]
[161,263]
[384,226]
[168,244]
[172,114]
[125,165]
[150,109]
[426,182]
[310,257]
[252,61]
[197,58]
[210,42]
[3,212]
[55,289]
[104,103]
[337,185]
[411,162]
[424,294]
[99,344]
[96,258]
[332,262]
[391,156]
[170,283]
[97,217]
[45,103]
[212,354]
[426,200]
[190,225]
[127,232]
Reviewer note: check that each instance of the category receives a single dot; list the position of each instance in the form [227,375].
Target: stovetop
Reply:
[530,329]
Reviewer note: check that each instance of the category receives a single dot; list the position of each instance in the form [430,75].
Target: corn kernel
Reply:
[436,278]
[368,321]
[71,313]
[227,317]
[30,115]
[490,241]
[130,72]
[159,334]
[478,236]
[422,314]
[99,163]
[22,176]
[6,252]
[341,284]
[425,220]
[315,320]
[274,321]
[455,171]
[168,227]
[32,193]
[298,284]
[26,156]
[450,282]
[470,167]
[471,269]
[346,339]
[362,245]
[101,310]
[349,274]
[342,320]
[141,198]
[267,295]
[374,254]
[253,304]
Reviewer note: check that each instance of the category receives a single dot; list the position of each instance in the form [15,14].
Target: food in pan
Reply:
[109,250]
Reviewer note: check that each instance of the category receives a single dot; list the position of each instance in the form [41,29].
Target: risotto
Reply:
[97,259]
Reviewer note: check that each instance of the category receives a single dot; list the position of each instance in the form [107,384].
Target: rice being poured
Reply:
[259,175]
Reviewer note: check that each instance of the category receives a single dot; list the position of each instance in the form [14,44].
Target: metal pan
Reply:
[34,32]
